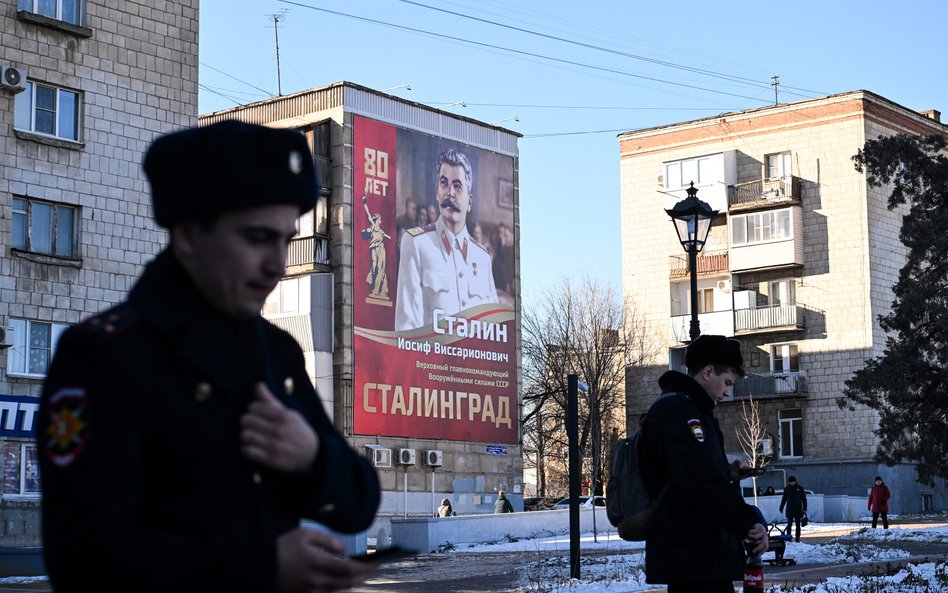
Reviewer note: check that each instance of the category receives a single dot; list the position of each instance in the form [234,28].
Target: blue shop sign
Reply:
[495,449]
[16,415]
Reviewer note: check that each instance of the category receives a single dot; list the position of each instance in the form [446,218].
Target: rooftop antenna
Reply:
[277,17]
[407,87]
[775,82]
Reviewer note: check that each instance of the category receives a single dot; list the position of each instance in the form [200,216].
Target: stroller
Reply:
[778,545]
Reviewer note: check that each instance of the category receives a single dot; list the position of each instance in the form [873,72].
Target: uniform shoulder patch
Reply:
[697,430]
[112,322]
[420,230]
[68,432]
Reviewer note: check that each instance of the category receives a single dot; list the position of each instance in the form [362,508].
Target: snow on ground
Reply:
[913,578]
[622,572]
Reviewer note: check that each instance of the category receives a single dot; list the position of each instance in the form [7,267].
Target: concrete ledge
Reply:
[428,534]
[22,562]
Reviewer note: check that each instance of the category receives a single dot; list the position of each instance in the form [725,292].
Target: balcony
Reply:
[764,193]
[711,262]
[770,239]
[771,384]
[768,319]
[717,322]
[307,252]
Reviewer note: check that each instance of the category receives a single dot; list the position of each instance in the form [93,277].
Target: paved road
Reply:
[491,572]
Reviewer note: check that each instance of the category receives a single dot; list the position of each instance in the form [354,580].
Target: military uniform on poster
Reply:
[440,270]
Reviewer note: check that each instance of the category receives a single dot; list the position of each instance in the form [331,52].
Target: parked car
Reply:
[585,502]
[538,503]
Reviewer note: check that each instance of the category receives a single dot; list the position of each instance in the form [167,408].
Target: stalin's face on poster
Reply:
[454,196]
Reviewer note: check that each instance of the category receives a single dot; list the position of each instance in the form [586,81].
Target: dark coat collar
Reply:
[682,383]
[227,352]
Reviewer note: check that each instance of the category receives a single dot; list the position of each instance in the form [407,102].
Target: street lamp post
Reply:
[692,219]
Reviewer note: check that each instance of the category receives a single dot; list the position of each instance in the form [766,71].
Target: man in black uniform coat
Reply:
[694,538]
[181,438]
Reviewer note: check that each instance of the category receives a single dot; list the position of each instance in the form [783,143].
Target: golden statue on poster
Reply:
[377,278]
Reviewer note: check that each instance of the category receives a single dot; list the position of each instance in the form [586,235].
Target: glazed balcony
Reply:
[764,193]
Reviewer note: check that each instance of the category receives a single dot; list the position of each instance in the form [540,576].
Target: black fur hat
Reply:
[200,173]
[709,349]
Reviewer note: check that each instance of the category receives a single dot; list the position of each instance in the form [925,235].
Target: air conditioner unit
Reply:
[12,80]
[434,458]
[379,456]
[406,457]
[6,336]
[724,285]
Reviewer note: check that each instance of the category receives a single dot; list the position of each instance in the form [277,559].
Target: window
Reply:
[784,358]
[20,469]
[706,300]
[761,227]
[701,171]
[44,227]
[782,292]
[286,297]
[34,343]
[778,165]
[49,110]
[791,433]
[69,11]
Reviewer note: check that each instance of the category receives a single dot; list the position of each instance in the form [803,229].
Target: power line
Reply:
[587,107]
[724,76]
[519,52]
[268,93]
[551,134]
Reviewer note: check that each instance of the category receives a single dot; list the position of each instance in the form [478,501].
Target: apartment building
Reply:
[85,86]
[431,400]
[798,266]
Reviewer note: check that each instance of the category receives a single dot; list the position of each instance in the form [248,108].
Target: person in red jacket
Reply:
[879,503]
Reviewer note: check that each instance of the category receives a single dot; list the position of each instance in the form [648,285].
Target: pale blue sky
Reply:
[569,174]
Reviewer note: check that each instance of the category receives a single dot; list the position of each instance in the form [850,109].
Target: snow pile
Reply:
[914,578]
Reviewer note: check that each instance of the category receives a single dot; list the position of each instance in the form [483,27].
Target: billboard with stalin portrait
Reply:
[434,288]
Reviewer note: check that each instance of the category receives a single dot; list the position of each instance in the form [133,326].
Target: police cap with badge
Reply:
[718,350]
[198,174]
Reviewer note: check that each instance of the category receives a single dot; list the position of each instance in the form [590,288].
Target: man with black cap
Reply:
[694,542]
[181,440]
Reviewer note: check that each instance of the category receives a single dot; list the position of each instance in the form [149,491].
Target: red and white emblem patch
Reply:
[68,433]
[697,431]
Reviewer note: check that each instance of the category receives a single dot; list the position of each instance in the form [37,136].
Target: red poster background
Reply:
[379,363]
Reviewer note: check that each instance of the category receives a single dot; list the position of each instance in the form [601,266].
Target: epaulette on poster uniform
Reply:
[112,322]
[487,251]
[421,230]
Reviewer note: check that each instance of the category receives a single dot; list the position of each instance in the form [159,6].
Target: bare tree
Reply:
[582,328]
[751,434]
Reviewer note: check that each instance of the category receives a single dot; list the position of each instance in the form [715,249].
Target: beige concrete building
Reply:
[86,85]
[367,146]
[799,264]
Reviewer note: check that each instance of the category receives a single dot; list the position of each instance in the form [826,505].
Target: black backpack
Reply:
[628,505]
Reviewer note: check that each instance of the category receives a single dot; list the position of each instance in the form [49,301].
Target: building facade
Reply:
[798,266]
[427,392]
[86,86]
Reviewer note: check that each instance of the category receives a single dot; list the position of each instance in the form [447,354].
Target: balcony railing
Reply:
[767,318]
[305,251]
[711,262]
[764,192]
[770,384]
